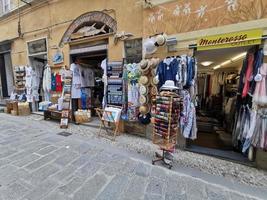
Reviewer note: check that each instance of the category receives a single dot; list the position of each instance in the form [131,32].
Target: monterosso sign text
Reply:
[237,39]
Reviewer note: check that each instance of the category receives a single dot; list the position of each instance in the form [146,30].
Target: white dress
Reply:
[76,81]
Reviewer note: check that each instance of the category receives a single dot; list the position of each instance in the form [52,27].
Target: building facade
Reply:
[35,31]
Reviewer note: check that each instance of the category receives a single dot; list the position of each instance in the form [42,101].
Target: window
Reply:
[37,47]
[6,5]
[133,50]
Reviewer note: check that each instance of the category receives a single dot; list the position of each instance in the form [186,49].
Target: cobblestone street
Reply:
[36,163]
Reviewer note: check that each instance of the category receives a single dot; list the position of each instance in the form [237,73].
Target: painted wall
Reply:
[173,17]
[54,17]
[181,16]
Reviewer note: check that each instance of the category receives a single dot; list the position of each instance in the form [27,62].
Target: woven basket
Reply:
[82,117]
[23,109]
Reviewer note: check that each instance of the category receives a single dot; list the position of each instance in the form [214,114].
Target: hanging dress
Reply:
[260,93]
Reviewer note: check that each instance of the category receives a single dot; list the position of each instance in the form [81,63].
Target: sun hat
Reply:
[143,99]
[143,90]
[143,66]
[265,48]
[155,80]
[143,63]
[154,71]
[149,46]
[169,85]
[160,40]
[144,80]
[144,109]
[154,90]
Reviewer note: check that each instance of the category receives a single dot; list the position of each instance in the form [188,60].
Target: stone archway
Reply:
[87,18]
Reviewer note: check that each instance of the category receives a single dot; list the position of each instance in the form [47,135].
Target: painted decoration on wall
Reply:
[190,15]
[89,24]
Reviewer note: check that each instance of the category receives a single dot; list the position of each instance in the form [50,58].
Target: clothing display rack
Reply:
[166,125]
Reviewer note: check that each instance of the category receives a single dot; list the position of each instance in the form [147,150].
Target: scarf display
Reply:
[251,121]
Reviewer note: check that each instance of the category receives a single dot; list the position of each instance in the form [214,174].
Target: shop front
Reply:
[144,64]
[224,94]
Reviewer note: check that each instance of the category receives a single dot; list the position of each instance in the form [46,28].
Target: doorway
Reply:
[6,73]
[38,63]
[218,79]
[93,65]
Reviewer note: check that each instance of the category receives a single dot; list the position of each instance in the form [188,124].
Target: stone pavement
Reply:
[36,163]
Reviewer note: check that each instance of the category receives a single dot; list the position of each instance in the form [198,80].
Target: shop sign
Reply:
[229,40]
[58,58]
[36,47]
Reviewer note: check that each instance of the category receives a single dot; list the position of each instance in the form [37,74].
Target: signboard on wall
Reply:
[229,40]
[37,46]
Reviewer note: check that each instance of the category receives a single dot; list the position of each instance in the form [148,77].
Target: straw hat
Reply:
[143,90]
[169,85]
[161,40]
[154,90]
[143,66]
[154,71]
[144,80]
[143,99]
[149,46]
[144,109]
[155,80]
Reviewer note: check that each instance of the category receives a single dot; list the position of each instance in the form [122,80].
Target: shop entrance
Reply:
[38,63]
[218,79]
[92,69]
[6,74]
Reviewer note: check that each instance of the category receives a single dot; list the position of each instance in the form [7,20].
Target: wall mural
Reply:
[190,15]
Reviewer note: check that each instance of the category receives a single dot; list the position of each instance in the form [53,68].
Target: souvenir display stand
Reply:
[115,83]
[16,105]
[66,106]
[165,129]
[110,115]
[59,106]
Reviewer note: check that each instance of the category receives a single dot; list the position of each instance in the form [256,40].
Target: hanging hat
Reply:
[155,80]
[265,48]
[143,99]
[143,66]
[144,109]
[154,71]
[161,40]
[154,91]
[143,80]
[143,90]
[149,46]
[169,85]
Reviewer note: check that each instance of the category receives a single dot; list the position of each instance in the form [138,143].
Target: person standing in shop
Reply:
[76,83]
